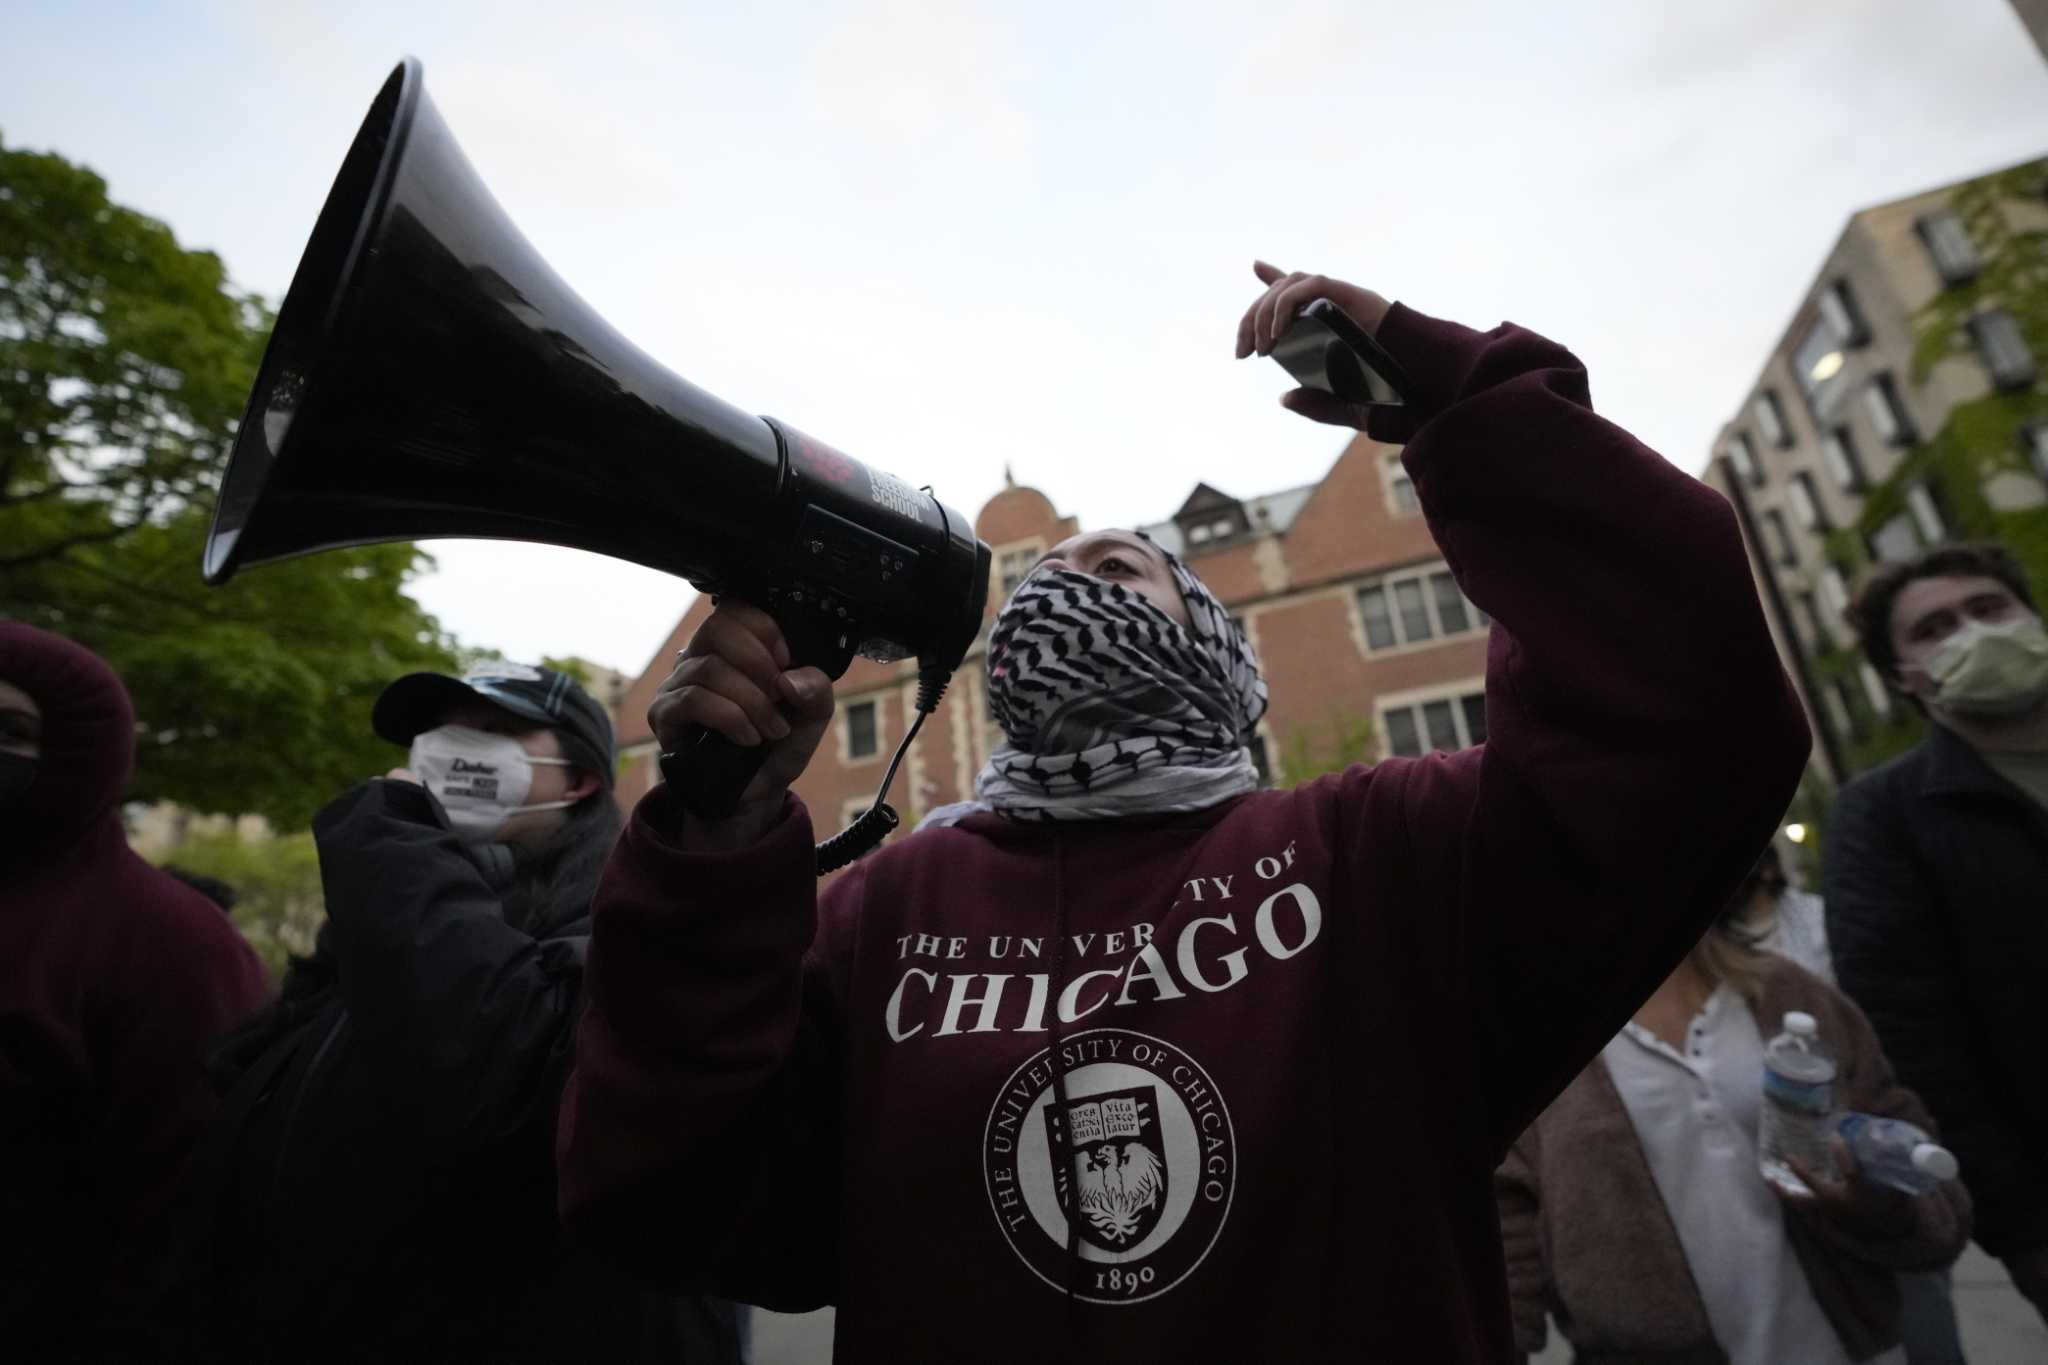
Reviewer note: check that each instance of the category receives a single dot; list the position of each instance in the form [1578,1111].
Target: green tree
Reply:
[1343,739]
[278,907]
[124,363]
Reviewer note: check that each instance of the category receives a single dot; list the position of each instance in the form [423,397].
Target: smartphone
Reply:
[1324,349]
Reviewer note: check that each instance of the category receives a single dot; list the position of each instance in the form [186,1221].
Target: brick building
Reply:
[1343,593]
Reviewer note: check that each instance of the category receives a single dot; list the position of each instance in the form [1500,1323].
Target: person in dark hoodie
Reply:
[114,979]
[384,1185]
[1141,1063]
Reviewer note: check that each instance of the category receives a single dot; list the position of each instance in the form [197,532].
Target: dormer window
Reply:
[1209,516]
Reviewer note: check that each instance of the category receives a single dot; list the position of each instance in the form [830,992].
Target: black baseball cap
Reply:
[545,696]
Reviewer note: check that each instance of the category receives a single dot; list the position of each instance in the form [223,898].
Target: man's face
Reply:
[21,722]
[1121,557]
[551,781]
[1929,610]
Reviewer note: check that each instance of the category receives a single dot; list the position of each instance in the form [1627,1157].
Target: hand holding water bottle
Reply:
[1796,1120]
[1896,1153]
[1853,1202]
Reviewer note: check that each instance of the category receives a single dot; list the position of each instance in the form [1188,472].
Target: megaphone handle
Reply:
[707,771]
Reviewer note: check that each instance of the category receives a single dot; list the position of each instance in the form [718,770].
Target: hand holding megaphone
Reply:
[734,679]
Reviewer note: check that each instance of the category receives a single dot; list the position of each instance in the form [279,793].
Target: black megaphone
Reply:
[430,376]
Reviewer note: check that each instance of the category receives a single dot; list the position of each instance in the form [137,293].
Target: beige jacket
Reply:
[1588,1237]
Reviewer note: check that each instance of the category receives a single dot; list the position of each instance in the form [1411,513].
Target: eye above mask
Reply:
[481,779]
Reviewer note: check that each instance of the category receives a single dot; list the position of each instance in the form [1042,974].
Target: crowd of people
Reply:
[1124,1057]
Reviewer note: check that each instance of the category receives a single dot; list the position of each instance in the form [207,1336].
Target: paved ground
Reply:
[1999,1327]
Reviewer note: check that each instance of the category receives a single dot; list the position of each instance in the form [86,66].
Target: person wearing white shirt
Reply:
[1634,1213]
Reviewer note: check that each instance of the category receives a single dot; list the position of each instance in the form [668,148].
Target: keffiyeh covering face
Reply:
[1111,707]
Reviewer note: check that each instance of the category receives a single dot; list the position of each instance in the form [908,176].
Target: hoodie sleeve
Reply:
[470,1017]
[698,1146]
[1642,739]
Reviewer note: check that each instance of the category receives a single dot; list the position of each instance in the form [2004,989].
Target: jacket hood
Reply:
[88,736]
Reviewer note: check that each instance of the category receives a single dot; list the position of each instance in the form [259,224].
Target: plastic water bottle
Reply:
[1799,1097]
[1895,1153]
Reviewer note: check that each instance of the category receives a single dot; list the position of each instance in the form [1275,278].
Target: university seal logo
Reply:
[1140,1159]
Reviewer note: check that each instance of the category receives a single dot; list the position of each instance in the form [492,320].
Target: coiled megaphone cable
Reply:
[877,822]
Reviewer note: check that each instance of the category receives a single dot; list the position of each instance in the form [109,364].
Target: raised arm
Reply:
[698,1142]
[1642,739]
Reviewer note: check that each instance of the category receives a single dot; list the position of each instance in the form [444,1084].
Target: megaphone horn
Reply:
[430,376]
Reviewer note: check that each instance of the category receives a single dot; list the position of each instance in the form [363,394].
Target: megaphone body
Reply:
[430,376]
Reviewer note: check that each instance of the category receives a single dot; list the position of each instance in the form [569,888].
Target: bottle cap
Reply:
[1937,1161]
[1801,1023]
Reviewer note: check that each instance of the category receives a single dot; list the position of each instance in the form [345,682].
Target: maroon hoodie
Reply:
[1271,1051]
[113,980]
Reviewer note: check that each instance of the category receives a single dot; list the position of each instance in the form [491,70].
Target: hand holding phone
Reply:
[1325,350]
[1320,330]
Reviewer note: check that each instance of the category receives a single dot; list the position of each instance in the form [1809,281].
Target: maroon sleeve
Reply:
[176,977]
[1642,738]
[702,1104]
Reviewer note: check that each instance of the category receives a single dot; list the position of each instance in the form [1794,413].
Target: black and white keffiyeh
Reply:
[1112,708]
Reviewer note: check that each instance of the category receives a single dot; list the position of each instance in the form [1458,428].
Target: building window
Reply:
[2003,350]
[1886,412]
[1400,488]
[1834,592]
[1837,710]
[1896,541]
[863,737]
[1743,456]
[1926,514]
[1770,419]
[1805,500]
[1439,723]
[1843,712]
[1816,629]
[1014,566]
[1838,309]
[1879,695]
[1778,538]
[1948,242]
[1838,453]
[1413,608]
[1197,535]
[2035,438]
[1819,362]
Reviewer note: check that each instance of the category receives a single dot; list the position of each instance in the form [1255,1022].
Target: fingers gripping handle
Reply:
[707,771]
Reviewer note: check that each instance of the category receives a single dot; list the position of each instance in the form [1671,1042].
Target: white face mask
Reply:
[1992,671]
[481,779]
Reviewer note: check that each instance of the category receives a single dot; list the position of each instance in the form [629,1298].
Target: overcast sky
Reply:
[949,238]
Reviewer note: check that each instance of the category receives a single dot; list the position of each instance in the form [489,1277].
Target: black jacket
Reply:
[385,1189]
[1937,910]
